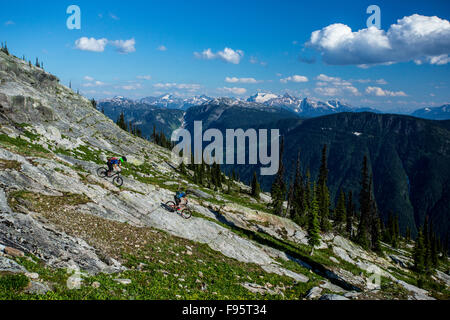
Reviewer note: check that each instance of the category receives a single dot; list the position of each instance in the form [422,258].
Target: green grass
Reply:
[22,146]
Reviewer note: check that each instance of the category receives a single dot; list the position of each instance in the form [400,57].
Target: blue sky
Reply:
[267,41]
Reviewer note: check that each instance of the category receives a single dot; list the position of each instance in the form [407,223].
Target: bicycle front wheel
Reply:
[118,181]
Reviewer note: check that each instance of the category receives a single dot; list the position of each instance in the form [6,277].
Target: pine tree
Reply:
[364,200]
[339,212]
[298,195]
[94,103]
[349,215]
[323,196]
[278,190]
[427,246]
[256,189]
[375,229]
[313,222]
[419,253]
[182,168]
[408,234]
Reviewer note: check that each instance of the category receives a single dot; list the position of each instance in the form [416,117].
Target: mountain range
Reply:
[64,227]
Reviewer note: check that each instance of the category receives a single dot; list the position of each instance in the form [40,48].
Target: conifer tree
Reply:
[313,222]
[339,212]
[298,197]
[323,195]
[419,253]
[364,199]
[349,215]
[278,190]
[256,189]
[375,229]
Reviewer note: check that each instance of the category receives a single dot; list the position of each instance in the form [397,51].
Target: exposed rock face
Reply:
[50,171]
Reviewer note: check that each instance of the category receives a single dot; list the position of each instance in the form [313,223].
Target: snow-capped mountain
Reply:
[305,107]
[434,113]
[262,97]
[174,102]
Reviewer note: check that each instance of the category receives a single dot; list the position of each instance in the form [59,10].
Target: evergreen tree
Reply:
[278,190]
[121,122]
[94,103]
[408,234]
[298,207]
[256,189]
[349,215]
[323,195]
[313,222]
[427,246]
[364,199]
[339,212]
[419,253]
[375,229]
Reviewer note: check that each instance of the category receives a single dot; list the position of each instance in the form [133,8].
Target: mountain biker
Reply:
[180,198]
[114,164]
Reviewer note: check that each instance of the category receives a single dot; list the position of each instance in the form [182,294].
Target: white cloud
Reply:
[88,78]
[9,23]
[377,91]
[416,37]
[129,87]
[124,46]
[242,80]
[147,77]
[323,78]
[91,44]
[98,45]
[437,60]
[337,91]
[234,90]
[294,78]
[227,55]
[162,48]
[93,84]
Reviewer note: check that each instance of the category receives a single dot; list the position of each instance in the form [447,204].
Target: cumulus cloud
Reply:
[98,45]
[88,78]
[333,80]
[234,90]
[162,48]
[377,91]
[91,44]
[416,38]
[337,91]
[241,80]
[227,55]
[294,78]
[124,46]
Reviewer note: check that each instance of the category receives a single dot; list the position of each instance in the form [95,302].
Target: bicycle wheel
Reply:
[118,181]
[186,213]
[102,172]
[171,206]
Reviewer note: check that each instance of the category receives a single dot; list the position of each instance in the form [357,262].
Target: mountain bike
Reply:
[172,207]
[102,172]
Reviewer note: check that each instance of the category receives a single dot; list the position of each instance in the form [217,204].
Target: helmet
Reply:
[124,158]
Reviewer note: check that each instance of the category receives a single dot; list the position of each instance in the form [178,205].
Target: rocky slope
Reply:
[56,215]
